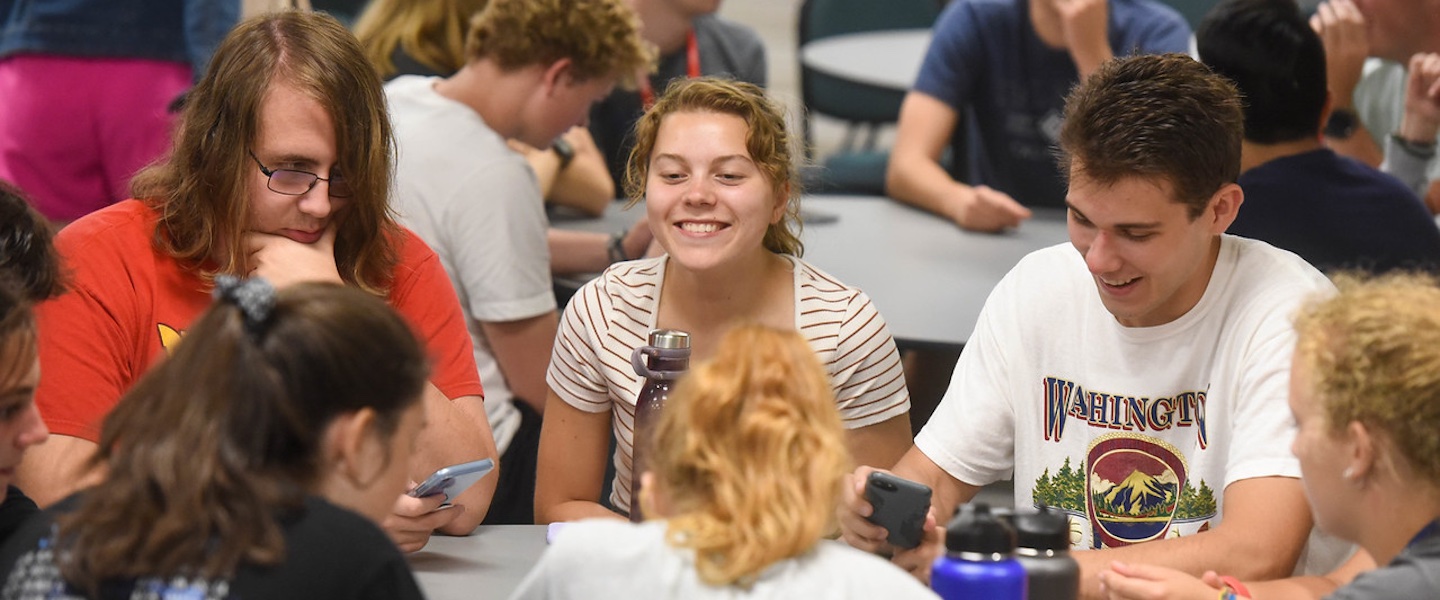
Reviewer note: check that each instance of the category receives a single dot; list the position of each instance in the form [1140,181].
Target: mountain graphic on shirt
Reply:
[1140,494]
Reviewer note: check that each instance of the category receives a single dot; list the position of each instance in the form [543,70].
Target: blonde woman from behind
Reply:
[748,460]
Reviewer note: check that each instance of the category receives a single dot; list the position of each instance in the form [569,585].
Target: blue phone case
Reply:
[453,480]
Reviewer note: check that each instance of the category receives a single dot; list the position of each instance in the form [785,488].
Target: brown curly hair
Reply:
[767,140]
[600,37]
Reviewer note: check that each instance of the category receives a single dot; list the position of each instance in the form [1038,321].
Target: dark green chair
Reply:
[859,167]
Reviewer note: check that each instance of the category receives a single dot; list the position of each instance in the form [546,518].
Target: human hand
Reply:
[854,512]
[284,262]
[579,138]
[987,209]
[1422,99]
[918,561]
[412,520]
[1085,25]
[1342,30]
[1122,581]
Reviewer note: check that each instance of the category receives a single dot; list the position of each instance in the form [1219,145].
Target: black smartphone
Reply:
[900,506]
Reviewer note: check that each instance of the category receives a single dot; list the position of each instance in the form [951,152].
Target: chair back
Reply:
[848,100]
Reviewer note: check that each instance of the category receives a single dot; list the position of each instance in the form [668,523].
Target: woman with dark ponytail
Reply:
[253,463]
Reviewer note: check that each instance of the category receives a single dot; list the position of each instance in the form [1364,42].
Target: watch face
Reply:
[564,150]
[1342,124]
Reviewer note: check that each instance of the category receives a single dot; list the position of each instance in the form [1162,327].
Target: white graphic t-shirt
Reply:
[1135,432]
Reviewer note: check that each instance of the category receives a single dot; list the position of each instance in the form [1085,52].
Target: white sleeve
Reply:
[971,435]
[497,240]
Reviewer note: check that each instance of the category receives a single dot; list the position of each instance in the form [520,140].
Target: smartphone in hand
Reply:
[900,507]
[453,480]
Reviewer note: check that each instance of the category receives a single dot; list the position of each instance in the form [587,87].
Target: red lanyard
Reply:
[692,70]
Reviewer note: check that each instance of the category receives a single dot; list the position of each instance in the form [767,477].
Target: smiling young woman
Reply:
[712,162]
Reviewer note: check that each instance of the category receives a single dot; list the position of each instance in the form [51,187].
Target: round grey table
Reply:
[489,563]
[927,277]
[885,59]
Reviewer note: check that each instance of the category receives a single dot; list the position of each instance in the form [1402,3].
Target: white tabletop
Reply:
[927,277]
[489,563]
[886,59]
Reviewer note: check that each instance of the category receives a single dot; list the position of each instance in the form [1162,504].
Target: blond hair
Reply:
[766,139]
[749,455]
[600,37]
[1374,352]
[430,31]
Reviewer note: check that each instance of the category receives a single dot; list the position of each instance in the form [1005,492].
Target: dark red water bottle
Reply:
[662,362]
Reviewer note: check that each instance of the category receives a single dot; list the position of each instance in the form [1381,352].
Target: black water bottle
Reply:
[661,362]
[1043,549]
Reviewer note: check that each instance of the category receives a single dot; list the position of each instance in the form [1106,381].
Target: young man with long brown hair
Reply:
[281,169]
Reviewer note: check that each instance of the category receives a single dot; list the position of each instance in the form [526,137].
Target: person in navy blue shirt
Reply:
[1004,66]
[1334,211]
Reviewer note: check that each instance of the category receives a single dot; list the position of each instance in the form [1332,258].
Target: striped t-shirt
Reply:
[613,314]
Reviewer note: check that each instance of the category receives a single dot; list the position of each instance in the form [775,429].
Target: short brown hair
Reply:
[767,140]
[600,37]
[1160,117]
[200,190]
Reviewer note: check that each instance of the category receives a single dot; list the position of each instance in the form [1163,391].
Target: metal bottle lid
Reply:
[669,338]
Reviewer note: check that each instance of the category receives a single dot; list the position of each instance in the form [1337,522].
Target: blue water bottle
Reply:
[979,563]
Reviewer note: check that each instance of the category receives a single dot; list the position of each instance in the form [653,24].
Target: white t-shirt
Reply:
[1135,432]
[604,559]
[613,314]
[478,204]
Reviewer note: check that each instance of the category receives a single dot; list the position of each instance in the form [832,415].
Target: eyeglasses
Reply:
[294,183]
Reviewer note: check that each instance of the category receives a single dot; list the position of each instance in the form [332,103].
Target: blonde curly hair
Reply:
[1374,354]
[749,455]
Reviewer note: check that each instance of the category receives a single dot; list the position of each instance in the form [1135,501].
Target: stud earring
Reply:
[1348,473]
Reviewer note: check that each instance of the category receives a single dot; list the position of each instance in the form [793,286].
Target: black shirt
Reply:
[329,553]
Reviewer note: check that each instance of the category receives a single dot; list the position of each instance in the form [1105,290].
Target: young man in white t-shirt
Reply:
[1136,377]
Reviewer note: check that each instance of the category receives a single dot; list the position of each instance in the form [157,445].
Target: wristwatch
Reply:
[1342,124]
[564,150]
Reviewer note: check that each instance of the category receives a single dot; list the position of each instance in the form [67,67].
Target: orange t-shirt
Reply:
[127,303]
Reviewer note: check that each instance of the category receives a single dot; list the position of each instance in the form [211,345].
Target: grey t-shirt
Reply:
[1414,574]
